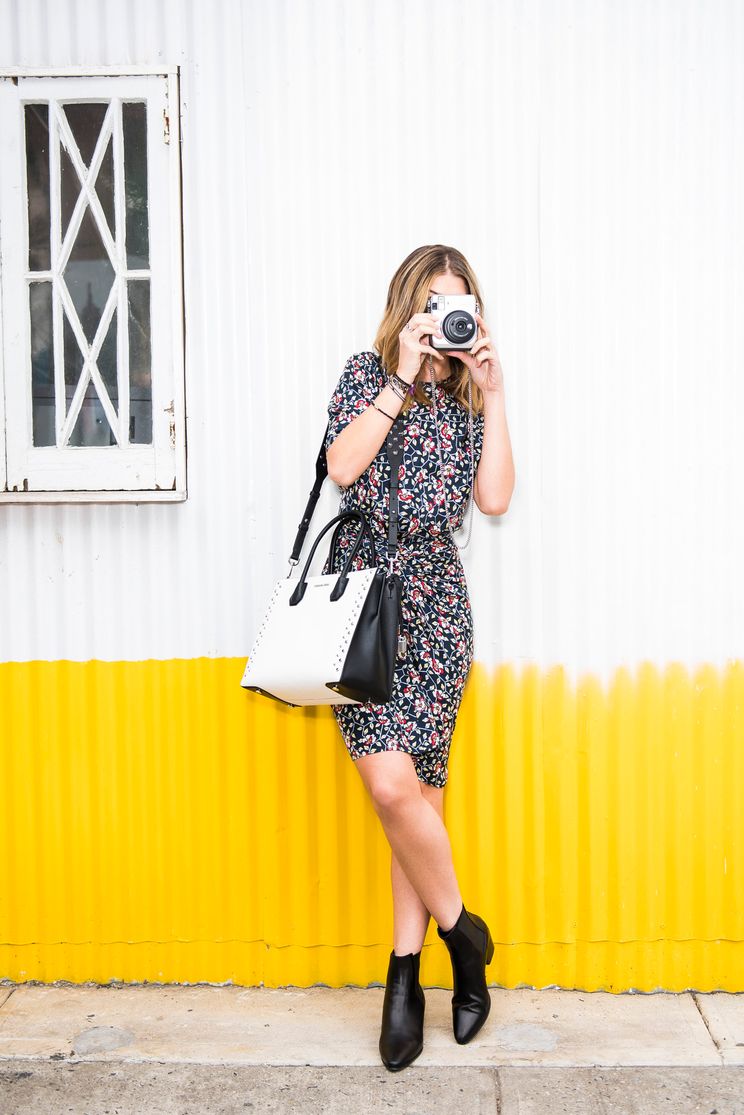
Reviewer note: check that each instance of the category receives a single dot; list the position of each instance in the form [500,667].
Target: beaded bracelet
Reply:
[406,388]
[398,386]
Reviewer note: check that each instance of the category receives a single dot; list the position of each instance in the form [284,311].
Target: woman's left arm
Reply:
[494,477]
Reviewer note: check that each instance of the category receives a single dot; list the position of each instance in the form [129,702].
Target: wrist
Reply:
[408,374]
[389,397]
[399,386]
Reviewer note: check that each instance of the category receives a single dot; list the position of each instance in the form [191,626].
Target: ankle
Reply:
[404,951]
[448,925]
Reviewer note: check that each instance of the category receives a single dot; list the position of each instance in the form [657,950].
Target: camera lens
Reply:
[459,327]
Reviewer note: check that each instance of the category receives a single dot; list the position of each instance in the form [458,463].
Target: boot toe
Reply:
[397,1057]
[466,1023]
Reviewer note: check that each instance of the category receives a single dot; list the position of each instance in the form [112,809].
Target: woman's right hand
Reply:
[411,349]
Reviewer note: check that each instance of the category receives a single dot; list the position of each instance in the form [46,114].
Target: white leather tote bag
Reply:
[332,638]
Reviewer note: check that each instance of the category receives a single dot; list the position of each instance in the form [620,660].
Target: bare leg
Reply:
[415,831]
[410,915]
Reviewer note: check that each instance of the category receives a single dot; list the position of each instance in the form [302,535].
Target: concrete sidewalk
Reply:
[149,1048]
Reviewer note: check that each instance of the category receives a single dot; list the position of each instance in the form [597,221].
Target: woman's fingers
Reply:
[413,340]
[426,323]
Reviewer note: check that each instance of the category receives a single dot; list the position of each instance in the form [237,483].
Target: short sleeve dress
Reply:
[436,614]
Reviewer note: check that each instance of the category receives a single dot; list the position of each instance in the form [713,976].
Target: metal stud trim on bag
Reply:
[265,623]
[348,632]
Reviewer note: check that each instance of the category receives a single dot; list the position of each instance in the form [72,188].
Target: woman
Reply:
[401,748]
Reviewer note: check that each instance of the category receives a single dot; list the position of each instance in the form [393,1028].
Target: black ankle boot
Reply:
[402,1034]
[470,948]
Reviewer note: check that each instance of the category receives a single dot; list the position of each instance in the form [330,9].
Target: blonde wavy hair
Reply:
[407,295]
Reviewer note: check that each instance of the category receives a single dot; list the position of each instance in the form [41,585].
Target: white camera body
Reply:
[456,313]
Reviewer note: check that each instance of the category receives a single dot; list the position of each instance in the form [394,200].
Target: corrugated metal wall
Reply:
[160,823]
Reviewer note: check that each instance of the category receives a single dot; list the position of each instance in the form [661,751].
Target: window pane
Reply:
[69,188]
[85,122]
[91,426]
[106,363]
[89,274]
[104,185]
[37,178]
[134,123]
[73,359]
[42,363]
[140,373]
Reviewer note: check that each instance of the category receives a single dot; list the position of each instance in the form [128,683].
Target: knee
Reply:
[390,795]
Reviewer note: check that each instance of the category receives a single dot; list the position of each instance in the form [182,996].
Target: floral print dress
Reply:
[436,614]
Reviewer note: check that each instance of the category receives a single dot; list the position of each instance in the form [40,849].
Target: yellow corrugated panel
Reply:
[160,823]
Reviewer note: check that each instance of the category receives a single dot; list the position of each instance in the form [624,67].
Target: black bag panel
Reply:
[370,659]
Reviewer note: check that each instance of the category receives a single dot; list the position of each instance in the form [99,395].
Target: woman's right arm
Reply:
[354,449]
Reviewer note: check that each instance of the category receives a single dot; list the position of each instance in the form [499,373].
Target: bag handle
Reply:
[342,581]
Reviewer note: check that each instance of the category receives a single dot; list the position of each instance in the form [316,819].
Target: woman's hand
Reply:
[410,346]
[482,360]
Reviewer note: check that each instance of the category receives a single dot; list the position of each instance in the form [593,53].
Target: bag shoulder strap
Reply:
[394,446]
[321,471]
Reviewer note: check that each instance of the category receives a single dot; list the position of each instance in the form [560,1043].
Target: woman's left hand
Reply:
[482,360]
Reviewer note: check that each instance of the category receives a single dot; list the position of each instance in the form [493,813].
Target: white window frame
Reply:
[124,472]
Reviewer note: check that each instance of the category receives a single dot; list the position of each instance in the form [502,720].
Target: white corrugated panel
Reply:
[586,157]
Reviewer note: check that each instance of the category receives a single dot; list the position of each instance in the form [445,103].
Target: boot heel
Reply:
[489,940]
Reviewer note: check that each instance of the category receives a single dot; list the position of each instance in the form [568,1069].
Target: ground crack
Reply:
[711,1035]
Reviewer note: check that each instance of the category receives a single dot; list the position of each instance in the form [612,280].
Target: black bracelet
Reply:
[390,416]
[394,385]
